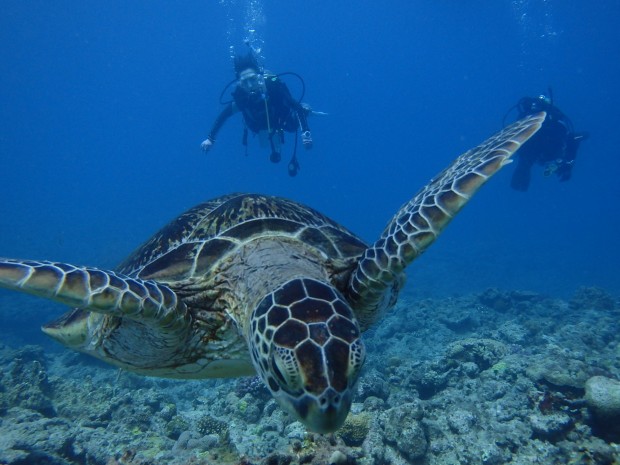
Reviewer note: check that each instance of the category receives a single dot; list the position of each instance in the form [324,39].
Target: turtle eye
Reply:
[285,369]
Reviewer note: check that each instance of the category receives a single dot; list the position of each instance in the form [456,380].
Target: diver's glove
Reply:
[310,112]
[207,144]
[306,138]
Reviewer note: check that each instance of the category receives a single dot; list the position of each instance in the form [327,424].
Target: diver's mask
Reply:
[544,99]
[251,81]
[542,102]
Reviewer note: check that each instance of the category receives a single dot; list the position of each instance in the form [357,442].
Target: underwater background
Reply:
[103,106]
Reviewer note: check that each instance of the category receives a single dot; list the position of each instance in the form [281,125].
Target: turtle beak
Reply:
[328,414]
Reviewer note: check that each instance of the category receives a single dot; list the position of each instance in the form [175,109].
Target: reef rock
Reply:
[603,397]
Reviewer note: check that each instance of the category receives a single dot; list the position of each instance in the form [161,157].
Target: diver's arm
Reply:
[306,135]
[567,162]
[280,96]
[280,91]
[226,113]
[302,117]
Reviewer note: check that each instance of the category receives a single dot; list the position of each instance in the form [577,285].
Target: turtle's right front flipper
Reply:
[95,290]
[375,282]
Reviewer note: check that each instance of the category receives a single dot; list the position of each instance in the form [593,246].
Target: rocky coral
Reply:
[586,298]
[355,429]
[26,382]
[522,385]
[561,371]
[603,397]
[403,433]
[207,424]
[482,351]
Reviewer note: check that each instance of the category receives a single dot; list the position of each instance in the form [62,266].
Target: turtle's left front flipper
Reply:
[95,290]
[376,280]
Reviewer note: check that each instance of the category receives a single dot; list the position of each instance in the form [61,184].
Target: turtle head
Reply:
[306,345]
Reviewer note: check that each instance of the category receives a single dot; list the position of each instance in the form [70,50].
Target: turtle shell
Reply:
[192,244]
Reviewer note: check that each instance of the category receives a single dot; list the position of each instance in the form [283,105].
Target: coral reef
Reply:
[493,378]
[355,429]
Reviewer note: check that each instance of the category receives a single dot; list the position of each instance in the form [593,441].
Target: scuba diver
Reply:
[554,146]
[268,109]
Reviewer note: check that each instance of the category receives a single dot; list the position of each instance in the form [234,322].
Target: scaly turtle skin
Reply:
[249,283]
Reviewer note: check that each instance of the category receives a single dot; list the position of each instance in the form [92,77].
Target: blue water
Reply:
[103,106]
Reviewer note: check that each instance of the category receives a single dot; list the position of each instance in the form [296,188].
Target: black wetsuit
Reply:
[554,145]
[275,112]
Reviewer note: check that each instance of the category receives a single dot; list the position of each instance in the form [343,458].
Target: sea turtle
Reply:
[250,283]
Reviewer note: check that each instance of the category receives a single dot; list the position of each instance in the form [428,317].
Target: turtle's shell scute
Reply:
[191,244]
